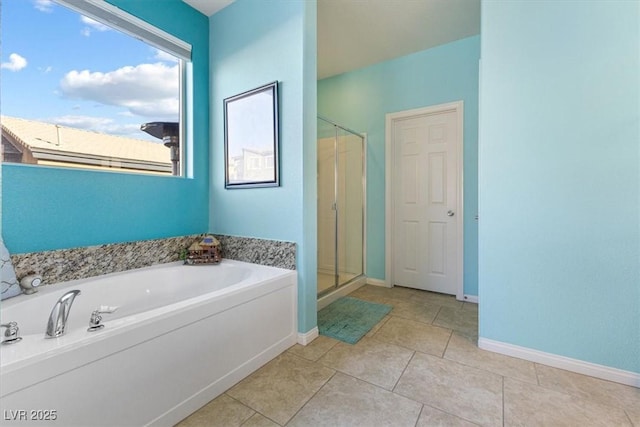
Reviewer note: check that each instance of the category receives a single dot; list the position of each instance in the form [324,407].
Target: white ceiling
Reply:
[208,7]
[356,33]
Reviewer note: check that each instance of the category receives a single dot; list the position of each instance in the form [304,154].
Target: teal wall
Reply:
[254,42]
[360,100]
[560,178]
[49,208]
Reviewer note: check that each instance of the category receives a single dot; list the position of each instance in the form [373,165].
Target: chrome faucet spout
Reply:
[59,314]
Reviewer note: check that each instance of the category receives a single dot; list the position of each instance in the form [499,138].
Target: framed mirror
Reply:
[251,138]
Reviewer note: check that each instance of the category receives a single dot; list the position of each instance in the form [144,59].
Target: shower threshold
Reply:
[329,295]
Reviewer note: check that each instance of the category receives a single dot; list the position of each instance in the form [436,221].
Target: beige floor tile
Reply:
[432,417]
[414,335]
[346,401]
[532,405]
[413,310]
[222,411]
[466,392]
[462,350]
[258,420]
[400,293]
[633,413]
[597,390]
[464,322]
[370,360]
[315,349]
[280,388]
[381,294]
[371,293]
[436,299]
[470,306]
[377,326]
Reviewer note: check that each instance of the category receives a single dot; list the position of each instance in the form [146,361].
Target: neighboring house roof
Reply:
[63,144]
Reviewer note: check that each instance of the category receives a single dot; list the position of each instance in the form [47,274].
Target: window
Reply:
[268,161]
[86,85]
[254,163]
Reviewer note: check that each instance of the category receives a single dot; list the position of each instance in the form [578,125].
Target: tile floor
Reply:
[418,367]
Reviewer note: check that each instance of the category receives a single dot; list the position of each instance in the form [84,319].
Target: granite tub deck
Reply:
[63,265]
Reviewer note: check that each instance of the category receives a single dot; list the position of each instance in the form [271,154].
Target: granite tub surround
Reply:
[79,263]
[273,253]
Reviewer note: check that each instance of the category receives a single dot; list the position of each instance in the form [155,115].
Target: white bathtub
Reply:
[181,336]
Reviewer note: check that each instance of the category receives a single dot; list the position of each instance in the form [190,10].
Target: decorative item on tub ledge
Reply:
[30,283]
[10,285]
[205,251]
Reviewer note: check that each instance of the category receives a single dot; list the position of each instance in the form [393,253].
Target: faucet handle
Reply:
[96,318]
[11,333]
[94,321]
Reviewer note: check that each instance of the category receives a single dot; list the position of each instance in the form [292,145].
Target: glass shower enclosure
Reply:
[341,198]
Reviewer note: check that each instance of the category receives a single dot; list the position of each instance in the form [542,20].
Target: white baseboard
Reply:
[562,362]
[376,282]
[307,337]
[470,298]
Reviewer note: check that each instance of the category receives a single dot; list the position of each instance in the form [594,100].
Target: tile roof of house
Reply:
[52,138]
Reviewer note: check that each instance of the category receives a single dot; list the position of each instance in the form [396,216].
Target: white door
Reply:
[426,190]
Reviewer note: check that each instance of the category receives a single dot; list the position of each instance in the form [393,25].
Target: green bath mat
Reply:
[348,319]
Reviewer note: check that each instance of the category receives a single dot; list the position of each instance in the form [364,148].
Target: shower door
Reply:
[326,208]
[350,199]
[340,206]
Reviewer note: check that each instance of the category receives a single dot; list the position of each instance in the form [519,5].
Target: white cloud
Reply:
[161,55]
[16,63]
[44,5]
[45,70]
[100,124]
[82,122]
[92,25]
[149,90]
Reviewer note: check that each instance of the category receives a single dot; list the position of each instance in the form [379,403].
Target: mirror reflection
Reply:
[251,138]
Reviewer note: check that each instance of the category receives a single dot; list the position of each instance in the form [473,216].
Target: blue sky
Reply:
[60,67]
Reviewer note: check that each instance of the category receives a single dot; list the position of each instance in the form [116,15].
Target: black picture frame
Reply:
[251,141]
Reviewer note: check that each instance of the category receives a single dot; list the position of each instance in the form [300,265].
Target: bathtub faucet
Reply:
[59,314]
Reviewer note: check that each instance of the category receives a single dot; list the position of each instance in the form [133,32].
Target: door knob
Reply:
[450,213]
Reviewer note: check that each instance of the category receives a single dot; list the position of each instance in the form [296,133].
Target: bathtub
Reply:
[181,336]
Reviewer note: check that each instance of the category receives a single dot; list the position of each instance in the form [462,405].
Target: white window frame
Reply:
[115,17]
